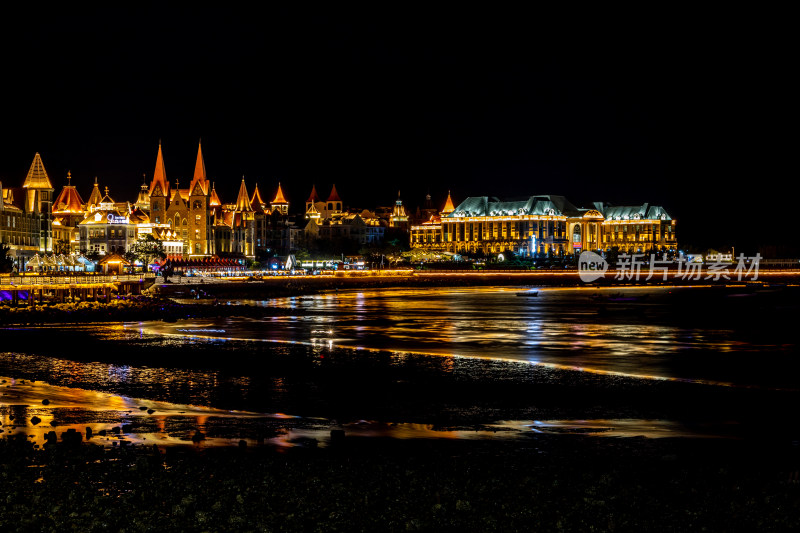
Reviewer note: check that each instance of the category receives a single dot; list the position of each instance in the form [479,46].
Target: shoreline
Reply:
[549,483]
[542,481]
[160,302]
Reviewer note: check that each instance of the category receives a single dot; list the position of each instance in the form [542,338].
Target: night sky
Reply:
[688,110]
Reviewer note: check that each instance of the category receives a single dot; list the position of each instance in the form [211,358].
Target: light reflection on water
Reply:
[167,424]
[560,328]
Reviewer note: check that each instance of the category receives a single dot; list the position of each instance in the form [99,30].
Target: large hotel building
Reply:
[544,224]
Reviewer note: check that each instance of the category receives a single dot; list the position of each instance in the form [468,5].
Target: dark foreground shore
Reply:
[549,483]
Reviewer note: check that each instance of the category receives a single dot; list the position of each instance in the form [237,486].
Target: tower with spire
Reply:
[94,198]
[159,191]
[399,218]
[279,204]
[448,205]
[199,217]
[26,223]
[143,200]
[38,201]
[243,224]
[334,202]
[68,211]
[312,211]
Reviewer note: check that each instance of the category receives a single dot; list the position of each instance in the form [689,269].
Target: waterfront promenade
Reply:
[69,287]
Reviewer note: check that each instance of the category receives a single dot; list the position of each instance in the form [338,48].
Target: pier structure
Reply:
[31,290]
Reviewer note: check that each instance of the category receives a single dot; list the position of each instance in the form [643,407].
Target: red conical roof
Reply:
[69,201]
[334,197]
[314,196]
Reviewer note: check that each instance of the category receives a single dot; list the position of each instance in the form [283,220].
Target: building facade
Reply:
[25,215]
[544,225]
[106,230]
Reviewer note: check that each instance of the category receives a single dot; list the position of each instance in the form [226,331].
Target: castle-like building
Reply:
[327,220]
[193,223]
[544,224]
[25,215]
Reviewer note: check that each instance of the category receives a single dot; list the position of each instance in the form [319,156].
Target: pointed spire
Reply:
[243,202]
[314,196]
[256,202]
[95,197]
[279,198]
[37,176]
[256,199]
[214,200]
[160,174]
[69,178]
[199,171]
[448,205]
[334,197]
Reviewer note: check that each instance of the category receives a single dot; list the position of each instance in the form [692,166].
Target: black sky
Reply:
[686,109]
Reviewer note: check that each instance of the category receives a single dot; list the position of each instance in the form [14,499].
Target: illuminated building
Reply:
[234,230]
[171,240]
[637,228]
[186,211]
[328,221]
[545,224]
[25,215]
[106,230]
[143,200]
[399,218]
[68,212]
[279,204]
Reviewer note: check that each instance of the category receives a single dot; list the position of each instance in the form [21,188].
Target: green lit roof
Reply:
[544,205]
[633,212]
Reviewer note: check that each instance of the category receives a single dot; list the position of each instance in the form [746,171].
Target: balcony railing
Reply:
[74,280]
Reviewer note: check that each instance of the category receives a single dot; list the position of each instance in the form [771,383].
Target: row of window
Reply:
[24,224]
